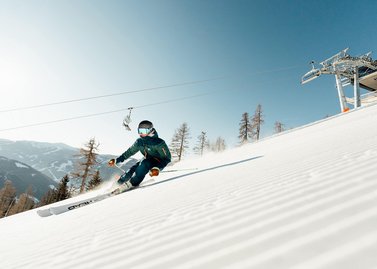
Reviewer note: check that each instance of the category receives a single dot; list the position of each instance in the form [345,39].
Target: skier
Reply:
[156,157]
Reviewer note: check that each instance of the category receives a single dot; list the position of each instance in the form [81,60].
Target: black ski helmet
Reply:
[146,124]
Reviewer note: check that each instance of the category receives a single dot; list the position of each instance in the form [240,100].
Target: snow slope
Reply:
[303,199]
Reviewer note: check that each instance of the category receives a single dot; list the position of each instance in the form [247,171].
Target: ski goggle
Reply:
[144,131]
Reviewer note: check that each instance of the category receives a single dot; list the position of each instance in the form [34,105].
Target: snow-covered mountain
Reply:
[55,160]
[304,199]
[24,176]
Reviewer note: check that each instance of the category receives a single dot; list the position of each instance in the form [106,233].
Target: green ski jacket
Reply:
[152,147]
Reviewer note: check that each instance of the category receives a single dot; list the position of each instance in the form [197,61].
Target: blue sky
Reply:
[53,51]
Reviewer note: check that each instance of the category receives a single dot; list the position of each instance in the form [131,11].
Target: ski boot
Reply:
[122,188]
[124,178]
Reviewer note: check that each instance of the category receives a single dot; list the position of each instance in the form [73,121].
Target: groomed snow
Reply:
[303,199]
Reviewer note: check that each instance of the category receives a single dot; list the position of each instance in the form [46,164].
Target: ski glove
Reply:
[154,172]
[111,163]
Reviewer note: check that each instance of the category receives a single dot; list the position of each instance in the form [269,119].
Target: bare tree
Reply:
[202,144]
[180,141]
[257,121]
[89,157]
[279,127]
[219,145]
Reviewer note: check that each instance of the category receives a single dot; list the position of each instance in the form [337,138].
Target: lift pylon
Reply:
[360,71]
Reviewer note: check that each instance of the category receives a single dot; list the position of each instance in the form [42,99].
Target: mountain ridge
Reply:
[24,176]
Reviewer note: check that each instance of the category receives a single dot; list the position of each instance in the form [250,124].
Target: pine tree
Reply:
[245,131]
[279,127]
[180,141]
[95,181]
[257,122]
[202,144]
[24,203]
[62,192]
[219,145]
[48,198]
[89,157]
[7,198]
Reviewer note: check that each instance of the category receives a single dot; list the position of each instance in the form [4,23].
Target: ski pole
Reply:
[120,168]
[115,165]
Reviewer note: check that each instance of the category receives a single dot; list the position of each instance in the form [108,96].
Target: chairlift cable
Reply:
[142,90]
[104,113]
[111,95]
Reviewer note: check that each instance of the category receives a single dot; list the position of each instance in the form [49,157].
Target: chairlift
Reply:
[311,75]
[127,120]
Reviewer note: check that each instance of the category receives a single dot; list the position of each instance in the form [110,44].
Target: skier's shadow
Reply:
[201,171]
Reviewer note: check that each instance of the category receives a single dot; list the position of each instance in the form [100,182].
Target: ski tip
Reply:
[44,213]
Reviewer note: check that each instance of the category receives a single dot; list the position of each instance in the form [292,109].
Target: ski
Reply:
[56,210]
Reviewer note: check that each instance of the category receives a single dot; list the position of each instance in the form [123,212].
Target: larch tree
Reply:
[219,145]
[180,141]
[257,120]
[279,127]
[7,198]
[202,144]
[88,156]
[24,203]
